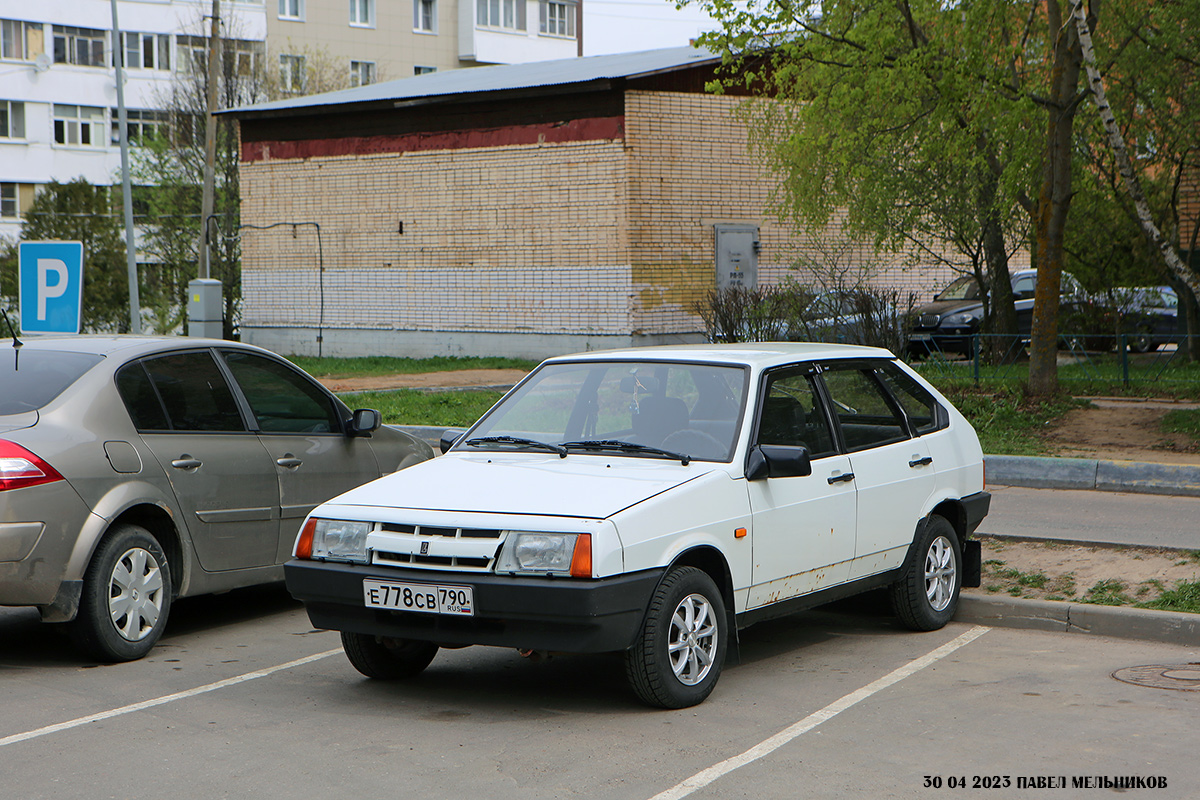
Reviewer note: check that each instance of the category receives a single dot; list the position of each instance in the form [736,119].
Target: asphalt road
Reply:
[1091,516]
[242,698]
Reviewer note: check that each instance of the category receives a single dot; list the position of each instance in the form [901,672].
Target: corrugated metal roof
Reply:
[474,80]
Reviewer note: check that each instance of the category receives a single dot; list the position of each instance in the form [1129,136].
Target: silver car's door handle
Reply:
[186,462]
[847,476]
[289,461]
[921,462]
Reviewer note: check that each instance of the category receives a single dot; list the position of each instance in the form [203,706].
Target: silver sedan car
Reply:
[136,470]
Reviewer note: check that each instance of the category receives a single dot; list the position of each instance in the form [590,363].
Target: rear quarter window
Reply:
[32,379]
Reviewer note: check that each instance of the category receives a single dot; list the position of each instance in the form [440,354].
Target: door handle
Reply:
[289,461]
[186,462]
[847,476]
[921,462]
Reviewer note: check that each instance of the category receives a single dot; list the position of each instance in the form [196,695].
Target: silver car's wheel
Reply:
[926,595]
[126,596]
[941,573]
[679,654]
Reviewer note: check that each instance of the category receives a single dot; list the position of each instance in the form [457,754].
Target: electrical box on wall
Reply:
[737,249]
[205,308]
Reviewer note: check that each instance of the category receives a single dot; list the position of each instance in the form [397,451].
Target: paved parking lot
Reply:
[243,698]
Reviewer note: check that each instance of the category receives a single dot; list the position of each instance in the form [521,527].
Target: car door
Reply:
[893,472]
[222,477]
[803,527]
[301,427]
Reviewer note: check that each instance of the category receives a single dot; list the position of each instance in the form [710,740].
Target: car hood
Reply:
[589,486]
[944,307]
[16,422]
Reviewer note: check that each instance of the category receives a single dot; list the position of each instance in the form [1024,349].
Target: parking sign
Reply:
[51,287]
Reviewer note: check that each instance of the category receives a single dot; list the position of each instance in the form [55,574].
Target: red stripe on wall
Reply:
[576,130]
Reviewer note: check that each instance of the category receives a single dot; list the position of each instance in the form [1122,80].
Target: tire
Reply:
[1142,342]
[681,648]
[385,658]
[126,596]
[926,597]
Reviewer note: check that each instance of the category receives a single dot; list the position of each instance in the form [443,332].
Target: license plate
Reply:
[425,598]
[922,337]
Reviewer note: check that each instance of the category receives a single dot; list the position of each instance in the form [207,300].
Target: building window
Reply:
[362,73]
[362,13]
[425,16]
[8,200]
[508,14]
[239,55]
[79,125]
[557,19]
[146,50]
[292,74]
[12,119]
[423,70]
[82,46]
[20,41]
[291,9]
[141,125]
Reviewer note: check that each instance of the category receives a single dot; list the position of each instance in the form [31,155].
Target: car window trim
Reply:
[868,367]
[248,412]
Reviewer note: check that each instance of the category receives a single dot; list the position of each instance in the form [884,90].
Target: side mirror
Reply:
[365,422]
[449,437]
[777,461]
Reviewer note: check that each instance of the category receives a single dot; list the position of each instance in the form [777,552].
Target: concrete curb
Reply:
[1168,627]
[1087,473]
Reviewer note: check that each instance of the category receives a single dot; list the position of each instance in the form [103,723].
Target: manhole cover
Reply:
[1184,677]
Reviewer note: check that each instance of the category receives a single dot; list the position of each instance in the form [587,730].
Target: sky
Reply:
[625,26]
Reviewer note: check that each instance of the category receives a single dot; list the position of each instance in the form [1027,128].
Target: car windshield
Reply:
[30,379]
[638,408]
[965,288]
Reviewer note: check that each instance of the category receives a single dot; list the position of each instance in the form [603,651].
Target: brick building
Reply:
[526,210]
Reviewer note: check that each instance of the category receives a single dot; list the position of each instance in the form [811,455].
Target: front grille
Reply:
[928,321]
[438,548]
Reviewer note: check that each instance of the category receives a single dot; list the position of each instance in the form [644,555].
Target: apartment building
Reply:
[58,99]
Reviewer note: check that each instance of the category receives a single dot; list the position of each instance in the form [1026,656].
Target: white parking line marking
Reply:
[158,701]
[768,746]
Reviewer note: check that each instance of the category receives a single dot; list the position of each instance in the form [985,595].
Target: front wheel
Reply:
[387,658]
[926,597]
[679,653]
[126,596]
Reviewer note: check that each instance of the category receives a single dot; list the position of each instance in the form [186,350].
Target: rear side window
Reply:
[141,400]
[865,416]
[30,379]
[918,404]
[194,393]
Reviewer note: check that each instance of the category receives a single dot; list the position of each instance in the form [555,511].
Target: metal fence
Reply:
[1095,359]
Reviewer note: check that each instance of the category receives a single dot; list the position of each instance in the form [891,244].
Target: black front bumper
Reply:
[535,613]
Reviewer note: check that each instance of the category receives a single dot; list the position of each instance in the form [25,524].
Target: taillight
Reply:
[20,468]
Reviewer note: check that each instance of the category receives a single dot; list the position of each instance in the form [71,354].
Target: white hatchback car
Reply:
[655,501]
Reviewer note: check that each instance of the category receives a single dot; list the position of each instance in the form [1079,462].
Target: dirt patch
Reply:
[455,379]
[1122,430]
[1117,575]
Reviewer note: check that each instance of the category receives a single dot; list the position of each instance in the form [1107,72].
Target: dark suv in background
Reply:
[947,324]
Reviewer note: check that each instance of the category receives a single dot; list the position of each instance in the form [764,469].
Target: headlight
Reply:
[960,319]
[546,553]
[338,540]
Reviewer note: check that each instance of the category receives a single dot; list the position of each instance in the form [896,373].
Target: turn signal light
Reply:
[304,544]
[581,558]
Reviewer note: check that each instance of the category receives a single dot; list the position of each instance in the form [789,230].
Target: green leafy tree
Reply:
[79,211]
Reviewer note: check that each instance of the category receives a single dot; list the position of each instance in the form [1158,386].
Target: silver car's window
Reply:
[141,399]
[30,379]
[283,401]
[687,408]
[194,393]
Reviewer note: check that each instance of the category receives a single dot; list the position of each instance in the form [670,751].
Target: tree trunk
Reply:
[1054,201]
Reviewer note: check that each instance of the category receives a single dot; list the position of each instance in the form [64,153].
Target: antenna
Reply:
[41,62]
[17,343]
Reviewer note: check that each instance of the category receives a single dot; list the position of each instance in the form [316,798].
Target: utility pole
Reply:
[204,294]
[135,306]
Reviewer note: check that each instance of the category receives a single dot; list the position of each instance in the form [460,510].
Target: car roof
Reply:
[760,355]
[127,345]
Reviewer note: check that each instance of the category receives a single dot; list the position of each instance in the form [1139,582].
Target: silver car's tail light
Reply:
[20,468]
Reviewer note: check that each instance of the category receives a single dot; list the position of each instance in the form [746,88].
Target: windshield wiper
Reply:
[554,448]
[627,447]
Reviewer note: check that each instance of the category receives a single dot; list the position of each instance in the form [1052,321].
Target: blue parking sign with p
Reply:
[51,287]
